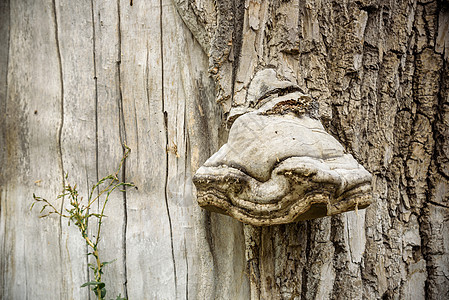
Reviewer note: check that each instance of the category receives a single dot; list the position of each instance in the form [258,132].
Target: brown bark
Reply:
[380,74]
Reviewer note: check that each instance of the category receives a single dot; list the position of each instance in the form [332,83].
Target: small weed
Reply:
[79,214]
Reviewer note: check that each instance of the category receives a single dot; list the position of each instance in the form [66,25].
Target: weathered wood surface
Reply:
[79,78]
[83,78]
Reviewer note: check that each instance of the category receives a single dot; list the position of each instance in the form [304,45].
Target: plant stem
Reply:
[79,214]
[96,255]
[98,273]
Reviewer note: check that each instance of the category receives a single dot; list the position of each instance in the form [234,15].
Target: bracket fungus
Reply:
[279,164]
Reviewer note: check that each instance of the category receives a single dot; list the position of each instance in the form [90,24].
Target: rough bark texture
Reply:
[379,70]
[78,78]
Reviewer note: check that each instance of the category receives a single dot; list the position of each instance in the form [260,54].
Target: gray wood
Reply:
[79,78]
[32,162]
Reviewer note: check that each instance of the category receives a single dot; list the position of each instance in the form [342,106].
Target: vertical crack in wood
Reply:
[124,231]
[304,275]
[187,269]
[26,269]
[210,244]
[351,256]
[6,15]
[94,57]
[123,139]
[61,125]
[237,39]
[165,114]
[147,89]
[3,260]
[136,124]
[186,170]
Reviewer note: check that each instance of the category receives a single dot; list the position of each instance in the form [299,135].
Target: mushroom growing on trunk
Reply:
[279,164]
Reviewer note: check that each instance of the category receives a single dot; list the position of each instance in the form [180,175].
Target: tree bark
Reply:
[380,74]
[79,78]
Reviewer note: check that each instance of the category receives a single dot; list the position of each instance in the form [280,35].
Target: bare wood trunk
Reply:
[79,78]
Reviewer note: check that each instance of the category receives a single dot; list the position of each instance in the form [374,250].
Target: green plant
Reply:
[80,214]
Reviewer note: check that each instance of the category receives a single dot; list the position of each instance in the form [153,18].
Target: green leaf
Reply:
[107,262]
[43,208]
[102,290]
[101,284]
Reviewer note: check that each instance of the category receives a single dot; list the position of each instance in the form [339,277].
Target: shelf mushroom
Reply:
[279,164]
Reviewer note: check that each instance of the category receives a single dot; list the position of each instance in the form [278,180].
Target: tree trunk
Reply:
[80,78]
